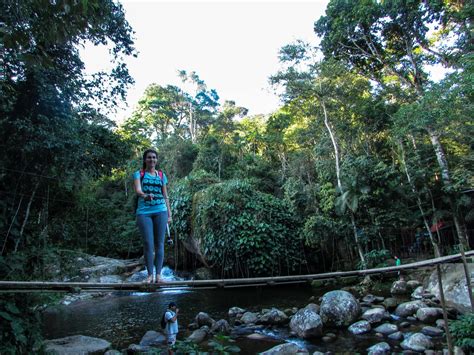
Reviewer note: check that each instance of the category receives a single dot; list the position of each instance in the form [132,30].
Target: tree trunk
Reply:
[446,178]
[420,207]
[27,215]
[11,225]
[339,185]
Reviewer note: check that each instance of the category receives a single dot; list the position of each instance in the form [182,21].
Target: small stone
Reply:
[405,324]
[379,349]
[440,323]
[360,327]
[386,328]
[396,336]
[417,342]
[432,331]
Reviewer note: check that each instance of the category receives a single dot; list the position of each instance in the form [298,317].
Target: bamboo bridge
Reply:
[77,287]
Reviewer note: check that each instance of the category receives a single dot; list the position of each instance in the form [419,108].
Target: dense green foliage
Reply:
[246,232]
[462,330]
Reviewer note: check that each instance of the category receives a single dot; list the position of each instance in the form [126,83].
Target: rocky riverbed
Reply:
[409,319]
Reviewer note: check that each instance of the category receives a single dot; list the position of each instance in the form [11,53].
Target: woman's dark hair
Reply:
[145,154]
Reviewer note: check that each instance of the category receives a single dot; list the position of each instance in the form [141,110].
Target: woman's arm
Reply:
[138,189]
[167,201]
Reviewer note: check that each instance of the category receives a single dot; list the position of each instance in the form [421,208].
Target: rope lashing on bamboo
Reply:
[75,287]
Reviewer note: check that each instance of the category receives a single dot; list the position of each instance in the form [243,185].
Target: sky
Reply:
[232,45]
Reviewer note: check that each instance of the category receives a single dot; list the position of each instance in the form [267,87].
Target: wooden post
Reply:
[445,315]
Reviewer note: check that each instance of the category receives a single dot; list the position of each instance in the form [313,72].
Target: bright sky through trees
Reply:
[232,45]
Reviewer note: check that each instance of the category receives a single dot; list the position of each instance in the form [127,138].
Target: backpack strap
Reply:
[160,174]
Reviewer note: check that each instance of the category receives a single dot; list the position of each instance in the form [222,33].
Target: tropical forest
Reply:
[342,222]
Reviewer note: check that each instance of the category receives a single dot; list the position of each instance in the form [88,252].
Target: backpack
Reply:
[163,321]
[142,175]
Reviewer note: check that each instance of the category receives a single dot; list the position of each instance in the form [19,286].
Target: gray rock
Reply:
[417,342]
[152,338]
[405,324]
[399,287]
[429,314]
[432,331]
[360,327]
[273,317]
[307,323]
[375,315]
[76,345]
[199,335]
[143,350]
[409,308]
[286,348]
[379,349]
[203,318]
[440,323]
[454,285]
[413,284]
[396,336]
[113,352]
[221,326]
[256,336]
[339,308]
[249,317]
[369,299]
[379,299]
[235,312]
[386,329]
[418,293]
[390,303]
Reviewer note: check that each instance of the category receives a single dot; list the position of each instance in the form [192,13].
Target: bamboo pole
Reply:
[445,314]
[10,286]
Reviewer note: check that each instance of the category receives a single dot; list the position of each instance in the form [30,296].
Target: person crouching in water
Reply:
[153,212]
[171,328]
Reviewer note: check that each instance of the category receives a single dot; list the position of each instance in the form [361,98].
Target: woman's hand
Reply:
[148,197]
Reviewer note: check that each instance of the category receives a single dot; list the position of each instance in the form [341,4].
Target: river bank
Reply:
[259,319]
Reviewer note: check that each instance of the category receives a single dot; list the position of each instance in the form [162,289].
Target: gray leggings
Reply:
[152,227]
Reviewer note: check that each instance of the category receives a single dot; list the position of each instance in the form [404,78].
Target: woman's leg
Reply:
[145,226]
[159,229]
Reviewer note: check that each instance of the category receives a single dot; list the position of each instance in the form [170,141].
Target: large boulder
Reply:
[407,309]
[429,314]
[235,312]
[152,338]
[199,335]
[249,317]
[454,285]
[76,345]
[339,308]
[273,317]
[417,342]
[221,326]
[399,287]
[307,322]
[203,318]
[286,348]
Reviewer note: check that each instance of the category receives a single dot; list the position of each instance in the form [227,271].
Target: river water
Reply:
[123,318]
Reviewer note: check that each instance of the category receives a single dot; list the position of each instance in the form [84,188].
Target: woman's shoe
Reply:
[148,280]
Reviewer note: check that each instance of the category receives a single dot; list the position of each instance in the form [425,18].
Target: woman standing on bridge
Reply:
[153,212]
